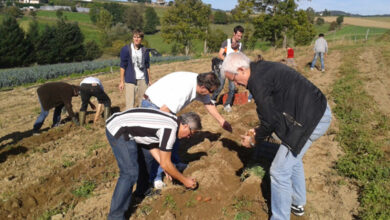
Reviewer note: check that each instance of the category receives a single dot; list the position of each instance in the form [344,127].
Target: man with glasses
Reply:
[134,70]
[175,91]
[138,135]
[291,107]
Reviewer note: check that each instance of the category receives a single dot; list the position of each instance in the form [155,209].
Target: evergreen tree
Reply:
[33,38]
[185,21]
[48,48]
[152,21]
[320,21]
[132,17]
[340,20]
[70,42]
[15,50]
[92,51]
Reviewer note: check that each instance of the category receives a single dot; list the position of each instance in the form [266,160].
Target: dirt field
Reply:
[361,22]
[41,173]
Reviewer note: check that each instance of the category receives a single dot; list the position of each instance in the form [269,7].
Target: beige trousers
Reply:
[134,93]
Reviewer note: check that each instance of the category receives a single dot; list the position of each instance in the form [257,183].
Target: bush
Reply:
[333,26]
[215,39]
[92,51]
[320,21]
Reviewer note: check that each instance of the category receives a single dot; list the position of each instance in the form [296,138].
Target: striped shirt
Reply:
[145,126]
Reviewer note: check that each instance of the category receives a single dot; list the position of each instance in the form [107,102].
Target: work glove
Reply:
[227,127]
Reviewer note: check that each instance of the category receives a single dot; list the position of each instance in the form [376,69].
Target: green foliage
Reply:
[15,50]
[241,205]
[340,20]
[185,21]
[59,13]
[245,215]
[304,31]
[104,20]
[360,125]
[92,51]
[256,170]
[320,21]
[333,26]
[151,21]
[133,17]
[13,11]
[67,163]
[310,14]
[170,202]
[220,17]
[214,40]
[85,190]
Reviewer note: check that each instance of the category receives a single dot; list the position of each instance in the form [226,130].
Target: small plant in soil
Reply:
[170,202]
[85,190]
[253,171]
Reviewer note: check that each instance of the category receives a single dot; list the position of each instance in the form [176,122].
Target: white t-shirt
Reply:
[175,90]
[137,60]
[92,80]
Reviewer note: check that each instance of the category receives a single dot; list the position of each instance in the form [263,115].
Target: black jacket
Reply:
[287,103]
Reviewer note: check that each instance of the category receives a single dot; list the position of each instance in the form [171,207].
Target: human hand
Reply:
[190,183]
[227,127]
[121,86]
[246,141]
[168,176]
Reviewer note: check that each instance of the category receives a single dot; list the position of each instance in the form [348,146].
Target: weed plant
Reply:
[360,124]
[85,190]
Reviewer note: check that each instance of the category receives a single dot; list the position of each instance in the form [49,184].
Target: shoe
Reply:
[213,101]
[159,184]
[227,108]
[311,68]
[297,210]
[323,70]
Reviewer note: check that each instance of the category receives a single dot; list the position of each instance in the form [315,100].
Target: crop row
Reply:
[26,75]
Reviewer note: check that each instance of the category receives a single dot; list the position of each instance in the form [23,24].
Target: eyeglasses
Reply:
[192,131]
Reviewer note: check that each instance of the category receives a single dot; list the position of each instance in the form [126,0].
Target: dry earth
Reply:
[360,22]
[40,172]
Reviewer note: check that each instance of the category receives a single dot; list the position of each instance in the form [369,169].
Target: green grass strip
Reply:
[360,126]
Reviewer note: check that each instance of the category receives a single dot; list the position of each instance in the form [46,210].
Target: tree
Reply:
[59,13]
[214,40]
[132,17]
[320,21]
[92,51]
[13,11]
[220,17]
[48,47]
[14,49]
[70,42]
[311,14]
[340,20]
[185,21]
[326,13]
[333,25]
[116,10]
[94,13]
[104,20]
[152,21]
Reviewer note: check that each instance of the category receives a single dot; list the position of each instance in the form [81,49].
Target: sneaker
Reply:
[323,70]
[227,108]
[297,210]
[159,184]
[311,68]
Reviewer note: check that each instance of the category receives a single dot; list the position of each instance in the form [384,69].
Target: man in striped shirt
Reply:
[136,134]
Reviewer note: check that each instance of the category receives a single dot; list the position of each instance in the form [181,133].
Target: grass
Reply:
[360,126]
[241,205]
[70,16]
[257,171]
[95,147]
[85,190]
[169,202]
[351,32]
[386,19]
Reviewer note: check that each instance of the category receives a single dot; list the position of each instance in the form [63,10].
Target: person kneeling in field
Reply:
[55,95]
[137,136]
[91,86]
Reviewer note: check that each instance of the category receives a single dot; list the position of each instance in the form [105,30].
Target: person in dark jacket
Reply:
[292,108]
[55,95]
[134,70]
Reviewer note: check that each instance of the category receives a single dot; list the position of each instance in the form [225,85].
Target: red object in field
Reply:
[240,98]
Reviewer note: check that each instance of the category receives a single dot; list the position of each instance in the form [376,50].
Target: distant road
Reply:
[358,21]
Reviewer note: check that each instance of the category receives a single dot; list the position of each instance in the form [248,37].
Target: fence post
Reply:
[368,31]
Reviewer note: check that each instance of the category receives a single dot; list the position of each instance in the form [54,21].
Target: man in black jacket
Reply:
[292,108]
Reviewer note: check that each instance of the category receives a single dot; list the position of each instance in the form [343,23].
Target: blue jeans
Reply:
[131,162]
[222,80]
[156,171]
[42,116]
[321,55]
[287,174]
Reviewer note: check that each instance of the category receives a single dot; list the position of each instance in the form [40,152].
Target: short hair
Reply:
[234,61]
[238,28]
[208,80]
[321,35]
[191,119]
[138,32]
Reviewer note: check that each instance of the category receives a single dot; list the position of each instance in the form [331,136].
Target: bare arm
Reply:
[98,112]
[214,112]
[165,108]
[122,79]
[220,54]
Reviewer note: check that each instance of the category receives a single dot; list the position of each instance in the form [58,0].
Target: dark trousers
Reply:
[131,160]
[88,90]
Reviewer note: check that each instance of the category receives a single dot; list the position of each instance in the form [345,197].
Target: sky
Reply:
[362,7]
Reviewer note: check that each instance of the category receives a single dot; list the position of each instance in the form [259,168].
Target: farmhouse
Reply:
[29,1]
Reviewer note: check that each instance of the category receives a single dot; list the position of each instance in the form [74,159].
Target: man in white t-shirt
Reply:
[134,70]
[175,91]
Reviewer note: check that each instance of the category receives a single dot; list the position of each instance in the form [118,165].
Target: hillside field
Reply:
[70,172]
